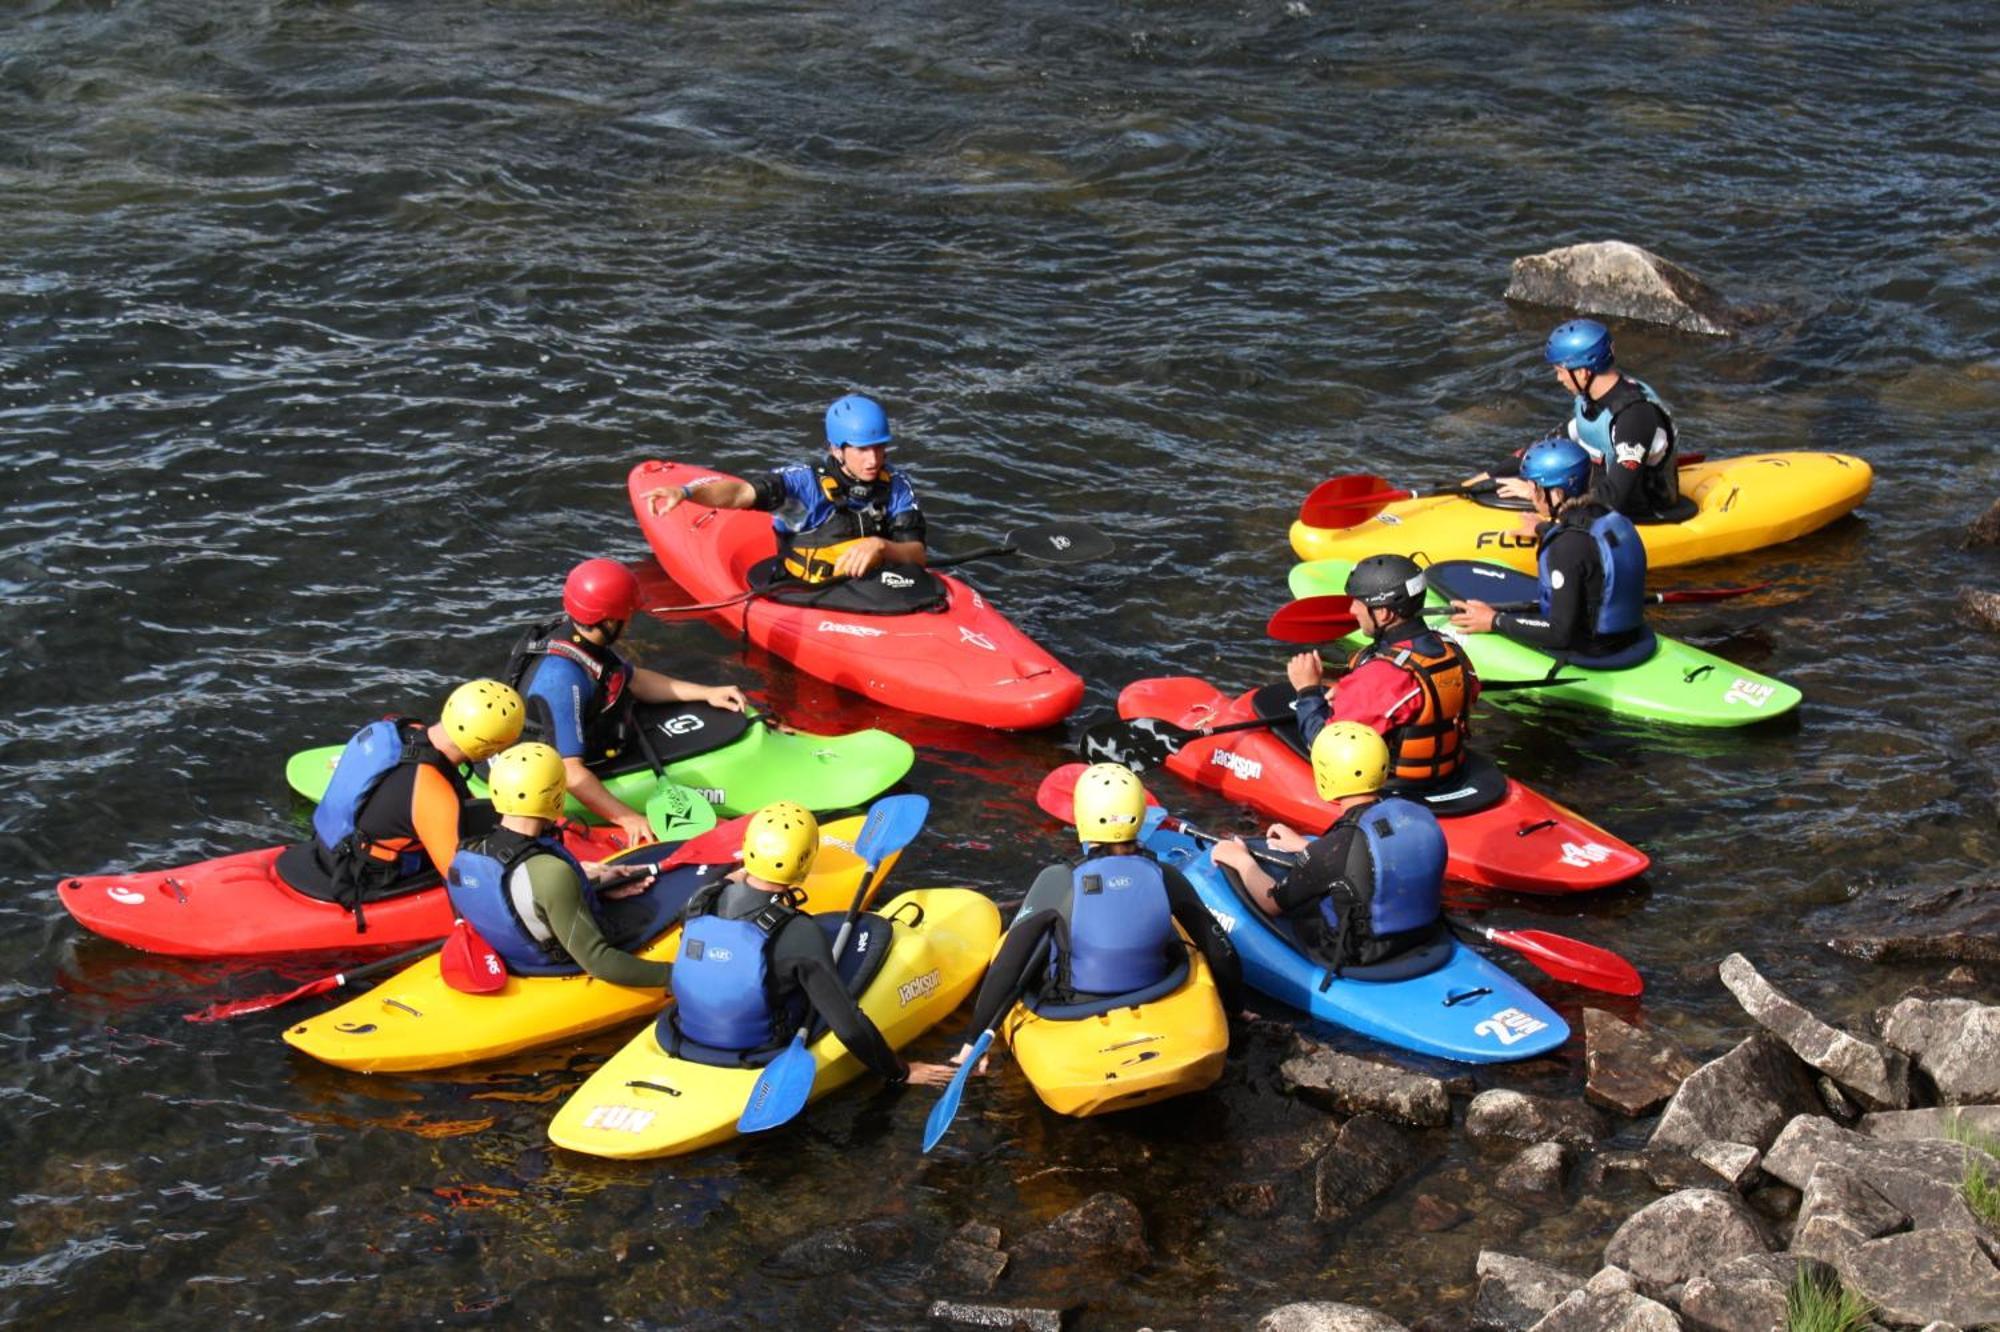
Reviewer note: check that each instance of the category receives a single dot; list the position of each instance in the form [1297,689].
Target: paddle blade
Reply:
[1680,596]
[469,963]
[1139,744]
[235,1008]
[946,1109]
[782,1089]
[1572,960]
[1057,794]
[677,813]
[1061,542]
[1347,501]
[1312,620]
[718,846]
[892,824]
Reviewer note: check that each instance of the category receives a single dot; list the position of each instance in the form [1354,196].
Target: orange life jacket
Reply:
[1430,746]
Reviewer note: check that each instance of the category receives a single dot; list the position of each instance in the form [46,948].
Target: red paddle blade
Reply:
[1573,960]
[1056,796]
[469,963]
[1682,595]
[1312,620]
[1345,501]
[232,1008]
[718,846]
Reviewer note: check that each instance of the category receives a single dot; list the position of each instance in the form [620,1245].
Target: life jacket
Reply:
[360,865]
[607,713]
[1591,424]
[724,994]
[859,509]
[1120,933]
[1431,745]
[1404,892]
[485,891]
[1621,610]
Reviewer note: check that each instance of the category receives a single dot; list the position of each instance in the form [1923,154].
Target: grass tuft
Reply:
[1980,1184]
[1824,1305]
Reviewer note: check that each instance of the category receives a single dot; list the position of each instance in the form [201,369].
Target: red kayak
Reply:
[961,660]
[1500,833]
[237,906]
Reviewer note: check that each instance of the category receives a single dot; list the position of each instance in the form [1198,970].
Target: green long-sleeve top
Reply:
[558,896]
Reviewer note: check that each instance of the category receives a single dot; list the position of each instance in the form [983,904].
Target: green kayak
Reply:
[1677,683]
[738,764]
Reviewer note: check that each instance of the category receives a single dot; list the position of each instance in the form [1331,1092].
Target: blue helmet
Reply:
[1580,344]
[1557,464]
[856,421]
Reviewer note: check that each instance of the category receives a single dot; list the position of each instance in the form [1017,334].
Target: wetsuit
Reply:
[1048,901]
[1573,588]
[543,913]
[819,509]
[1337,876]
[1424,721]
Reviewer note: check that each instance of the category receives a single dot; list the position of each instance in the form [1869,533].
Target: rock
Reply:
[1878,1078]
[1255,1201]
[1630,1069]
[1907,1125]
[1498,1113]
[1684,1235]
[1363,1163]
[1515,1293]
[1926,1276]
[970,1260]
[1537,1173]
[1746,1096]
[1908,923]
[1734,1161]
[1608,1303]
[1835,1100]
[1913,1023]
[1324,1316]
[1669,1171]
[996,1316]
[1839,1211]
[848,1247]
[1985,530]
[1920,1177]
[1623,281]
[1105,1227]
[1981,607]
[1746,1294]
[1963,1059]
[1350,1086]
[1430,1213]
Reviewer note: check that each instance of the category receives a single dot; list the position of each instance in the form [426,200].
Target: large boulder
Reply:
[1609,1302]
[1920,1177]
[1746,1096]
[1914,1022]
[1980,607]
[1684,1235]
[1878,1078]
[1631,1070]
[1499,1113]
[1913,1125]
[1325,1316]
[1515,1293]
[1985,530]
[1926,1276]
[1748,1294]
[1350,1086]
[1963,1059]
[1620,280]
[1840,1209]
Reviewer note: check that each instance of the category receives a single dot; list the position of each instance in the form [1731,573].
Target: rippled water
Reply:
[328,332]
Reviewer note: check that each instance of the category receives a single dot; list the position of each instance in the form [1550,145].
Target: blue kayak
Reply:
[1441,999]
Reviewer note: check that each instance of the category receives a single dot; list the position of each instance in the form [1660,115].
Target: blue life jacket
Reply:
[485,892]
[1408,851]
[1621,554]
[1121,927]
[723,991]
[375,751]
[1593,431]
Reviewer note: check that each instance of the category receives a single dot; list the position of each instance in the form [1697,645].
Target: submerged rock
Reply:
[1105,1227]
[1746,1096]
[1981,607]
[1326,1316]
[1985,530]
[1902,923]
[1623,281]
[1684,1235]
[1364,1162]
[1349,1086]
[1536,1175]
[1499,1113]
[1878,1078]
[1516,1293]
[1629,1069]
[971,1260]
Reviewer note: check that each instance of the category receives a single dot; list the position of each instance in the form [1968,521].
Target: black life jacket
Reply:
[607,714]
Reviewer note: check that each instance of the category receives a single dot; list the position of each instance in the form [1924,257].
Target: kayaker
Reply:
[1412,684]
[844,516]
[1592,568]
[753,968]
[537,905]
[397,806]
[1371,887]
[1103,925]
[580,691]
[1620,423]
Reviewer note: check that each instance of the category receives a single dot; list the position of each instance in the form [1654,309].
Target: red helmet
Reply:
[600,590]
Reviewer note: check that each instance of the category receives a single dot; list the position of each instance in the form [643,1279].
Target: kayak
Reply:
[646,1102]
[415,1021]
[1456,1005]
[1499,833]
[962,661]
[1092,1058]
[237,906]
[1677,683]
[1740,504]
[737,764]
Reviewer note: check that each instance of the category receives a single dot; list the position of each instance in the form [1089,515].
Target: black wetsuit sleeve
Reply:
[1325,861]
[1020,952]
[801,960]
[1571,555]
[1313,712]
[1208,935]
[768,493]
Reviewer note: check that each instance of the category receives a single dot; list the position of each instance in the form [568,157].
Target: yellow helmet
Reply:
[1349,759]
[780,843]
[1110,802]
[483,717]
[528,780]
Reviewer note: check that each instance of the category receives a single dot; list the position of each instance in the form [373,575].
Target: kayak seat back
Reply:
[1679,511]
[1275,700]
[302,869]
[1478,785]
[893,589]
[1092,1005]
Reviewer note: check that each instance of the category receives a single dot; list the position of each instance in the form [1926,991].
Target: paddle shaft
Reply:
[222,1012]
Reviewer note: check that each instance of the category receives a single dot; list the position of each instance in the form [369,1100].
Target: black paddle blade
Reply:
[1061,542]
[1139,744]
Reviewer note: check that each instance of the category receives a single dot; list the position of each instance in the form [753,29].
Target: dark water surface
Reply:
[329,331]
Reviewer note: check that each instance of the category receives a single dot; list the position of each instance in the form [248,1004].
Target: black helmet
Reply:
[1388,582]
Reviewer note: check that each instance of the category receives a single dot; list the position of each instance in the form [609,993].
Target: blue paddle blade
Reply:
[1155,816]
[892,824]
[946,1108]
[782,1089]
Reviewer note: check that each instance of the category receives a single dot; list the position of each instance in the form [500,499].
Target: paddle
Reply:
[677,812]
[1051,543]
[1140,743]
[1558,955]
[1323,618]
[235,1008]
[938,1122]
[786,1083]
[1352,499]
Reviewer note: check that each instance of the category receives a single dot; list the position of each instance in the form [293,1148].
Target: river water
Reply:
[328,332]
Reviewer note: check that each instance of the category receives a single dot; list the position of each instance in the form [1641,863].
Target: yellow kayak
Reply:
[1129,1056]
[1742,504]
[414,1021]
[646,1102]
